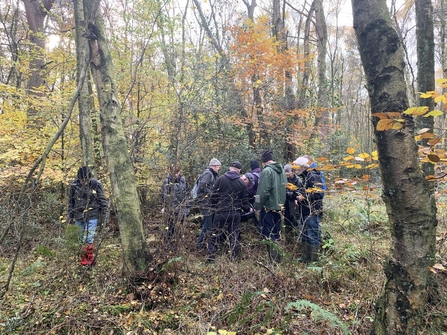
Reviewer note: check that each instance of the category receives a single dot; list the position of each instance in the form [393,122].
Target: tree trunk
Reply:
[411,209]
[85,100]
[124,190]
[426,68]
[36,12]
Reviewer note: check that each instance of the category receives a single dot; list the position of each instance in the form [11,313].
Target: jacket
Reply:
[291,195]
[206,183]
[230,193]
[87,202]
[174,194]
[271,193]
[313,194]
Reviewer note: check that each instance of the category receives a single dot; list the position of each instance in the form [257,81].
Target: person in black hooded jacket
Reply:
[230,198]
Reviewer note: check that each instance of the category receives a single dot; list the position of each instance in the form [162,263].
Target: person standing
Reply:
[206,183]
[270,199]
[230,198]
[310,204]
[291,218]
[174,191]
[256,172]
[87,204]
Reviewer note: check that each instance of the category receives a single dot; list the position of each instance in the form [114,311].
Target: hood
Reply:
[232,175]
[275,166]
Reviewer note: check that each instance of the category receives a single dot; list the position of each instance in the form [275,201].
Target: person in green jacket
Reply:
[270,199]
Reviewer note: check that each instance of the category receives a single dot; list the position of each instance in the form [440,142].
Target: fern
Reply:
[319,313]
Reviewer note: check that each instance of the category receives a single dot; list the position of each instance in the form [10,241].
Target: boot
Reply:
[314,249]
[88,256]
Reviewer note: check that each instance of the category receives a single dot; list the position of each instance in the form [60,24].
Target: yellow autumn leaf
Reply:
[350,150]
[427,95]
[375,155]
[435,112]
[397,125]
[348,158]
[291,187]
[364,155]
[440,98]
[328,168]
[372,166]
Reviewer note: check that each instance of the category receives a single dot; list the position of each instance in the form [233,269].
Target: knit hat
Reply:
[250,178]
[302,161]
[267,155]
[84,173]
[254,165]
[215,162]
[237,165]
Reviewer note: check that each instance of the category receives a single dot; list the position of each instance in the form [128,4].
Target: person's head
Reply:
[302,164]
[288,169]
[254,165]
[267,157]
[248,179]
[84,174]
[175,170]
[236,166]
[215,164]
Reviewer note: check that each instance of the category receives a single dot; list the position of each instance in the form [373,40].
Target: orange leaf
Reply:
[433,158]
[351,150]
[385,124]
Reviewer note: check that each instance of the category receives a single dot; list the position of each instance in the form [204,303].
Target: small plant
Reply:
[319,314]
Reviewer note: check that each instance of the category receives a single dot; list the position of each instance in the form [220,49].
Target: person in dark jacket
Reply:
[230,198]
[174,192]
[87,204]
[291,215]
[206,183]
[310,204]
[256,172]
[270,199]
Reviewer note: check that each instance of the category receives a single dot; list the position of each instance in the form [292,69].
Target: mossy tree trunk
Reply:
[124,190]
[411,209]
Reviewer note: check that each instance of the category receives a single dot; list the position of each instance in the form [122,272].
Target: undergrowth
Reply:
[50,293]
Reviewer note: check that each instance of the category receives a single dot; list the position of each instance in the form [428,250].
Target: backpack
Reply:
[195,189]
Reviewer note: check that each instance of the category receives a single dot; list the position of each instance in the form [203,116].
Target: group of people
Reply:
[263,196]
[295,190]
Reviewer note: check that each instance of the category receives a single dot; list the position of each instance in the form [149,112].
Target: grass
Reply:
[51,293]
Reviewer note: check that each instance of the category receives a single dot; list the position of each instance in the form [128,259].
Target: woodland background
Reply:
[196,80]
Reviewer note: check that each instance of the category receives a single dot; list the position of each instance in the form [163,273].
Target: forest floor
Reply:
[51,293]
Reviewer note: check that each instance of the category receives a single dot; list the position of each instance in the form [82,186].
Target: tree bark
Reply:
[426,68]
[124,190]
[36,12]
[411,209]
[85,100]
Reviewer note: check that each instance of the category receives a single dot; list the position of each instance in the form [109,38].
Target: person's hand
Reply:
[300,197]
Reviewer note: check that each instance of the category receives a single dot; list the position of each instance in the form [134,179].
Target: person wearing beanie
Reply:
[254,165]
[205,184]
[174,195]
[310,205]
[267,156]
[270,199]
[230,198]
[87,203]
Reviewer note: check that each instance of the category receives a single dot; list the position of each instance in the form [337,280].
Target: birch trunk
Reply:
[411,209]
